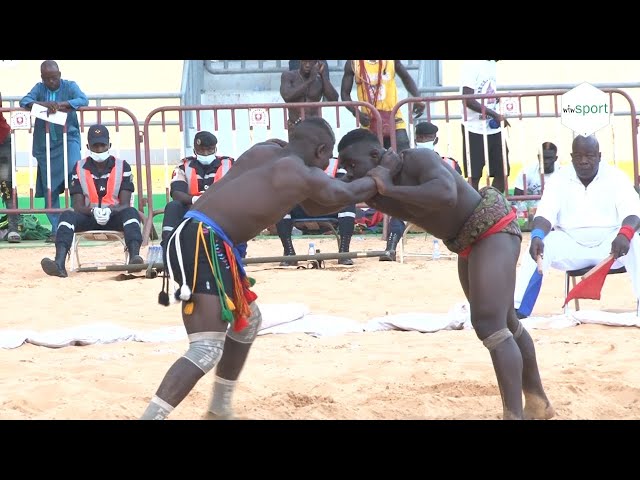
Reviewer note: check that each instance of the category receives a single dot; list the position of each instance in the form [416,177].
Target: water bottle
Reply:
[154,254]
[312,251]
[436,249]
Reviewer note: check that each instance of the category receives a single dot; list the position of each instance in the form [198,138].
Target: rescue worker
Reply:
[191,178]
[101,188]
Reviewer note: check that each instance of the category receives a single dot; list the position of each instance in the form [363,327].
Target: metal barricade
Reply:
[87,116]
[237,127]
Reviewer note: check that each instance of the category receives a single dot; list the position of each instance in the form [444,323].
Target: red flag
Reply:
[591,284]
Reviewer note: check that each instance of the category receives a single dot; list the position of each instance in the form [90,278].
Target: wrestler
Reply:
[482,229]
[219,311]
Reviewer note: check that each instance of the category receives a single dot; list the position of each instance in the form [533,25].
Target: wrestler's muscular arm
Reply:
[325,194]
[436,184]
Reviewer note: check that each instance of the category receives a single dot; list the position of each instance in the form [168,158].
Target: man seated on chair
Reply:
[535,181]
[426,136]
[191,178]
[346,223]
[594,210]
[101,188]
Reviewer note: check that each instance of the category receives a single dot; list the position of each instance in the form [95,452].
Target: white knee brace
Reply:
[205,349]
[518,331]
[495,339]
[249,334]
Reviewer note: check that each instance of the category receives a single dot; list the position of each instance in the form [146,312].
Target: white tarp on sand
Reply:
[297,318]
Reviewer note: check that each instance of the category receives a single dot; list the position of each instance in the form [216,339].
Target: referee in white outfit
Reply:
[594,210]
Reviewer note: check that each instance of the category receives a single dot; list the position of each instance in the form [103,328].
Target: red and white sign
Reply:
[509,106]
[20,121]
[258,117]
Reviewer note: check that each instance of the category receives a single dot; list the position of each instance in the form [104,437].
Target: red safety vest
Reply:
[332,169]
[112,195]
[450,161]
[192,176]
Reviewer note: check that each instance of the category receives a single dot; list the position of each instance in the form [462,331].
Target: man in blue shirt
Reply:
[57,95]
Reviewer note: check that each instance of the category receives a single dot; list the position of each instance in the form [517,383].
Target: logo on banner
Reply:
[509,106]
[20,121]
[585,109]
[258,117]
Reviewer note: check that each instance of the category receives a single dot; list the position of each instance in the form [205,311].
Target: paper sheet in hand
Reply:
[40,111]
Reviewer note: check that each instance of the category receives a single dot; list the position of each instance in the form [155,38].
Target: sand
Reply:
[589,371]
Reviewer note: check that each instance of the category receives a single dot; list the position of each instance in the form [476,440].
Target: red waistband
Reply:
[499,225]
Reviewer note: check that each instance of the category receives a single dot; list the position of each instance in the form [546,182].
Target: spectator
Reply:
[376,84]
[593,210]
[532,173]
[101,188]
[57,95]
[6,179]
[191,178]
[309,83]
[479,78]
[346,223]
[426,136]
[295,64]
[527,208]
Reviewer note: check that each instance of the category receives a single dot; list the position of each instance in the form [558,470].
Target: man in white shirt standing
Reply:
[479,78]
[594,210]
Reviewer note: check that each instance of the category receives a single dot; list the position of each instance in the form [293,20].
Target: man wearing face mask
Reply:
[191,178]
[426,134]
[101,188]
[425,137]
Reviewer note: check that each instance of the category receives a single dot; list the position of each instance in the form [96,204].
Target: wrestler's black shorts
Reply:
[206,282]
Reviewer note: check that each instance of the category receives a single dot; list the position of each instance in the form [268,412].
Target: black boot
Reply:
[288,251]
[392,243]
[345,241]
[134,253]
[13,236]
[56,268]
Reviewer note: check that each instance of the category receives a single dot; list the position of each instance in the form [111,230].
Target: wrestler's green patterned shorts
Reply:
[493,207]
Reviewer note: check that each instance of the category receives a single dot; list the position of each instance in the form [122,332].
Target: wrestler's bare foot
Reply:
[537,408]
[213,416]
[507,415]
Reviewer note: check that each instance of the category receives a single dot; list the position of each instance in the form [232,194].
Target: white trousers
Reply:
[564,253]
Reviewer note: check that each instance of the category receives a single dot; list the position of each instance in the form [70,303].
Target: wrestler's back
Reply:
[247,200]
[442,221]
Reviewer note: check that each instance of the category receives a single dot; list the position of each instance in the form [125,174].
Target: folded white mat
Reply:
[103,332]
[297,318]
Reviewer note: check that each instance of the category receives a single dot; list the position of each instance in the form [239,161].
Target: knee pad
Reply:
[495,339]
[519,330]
[205,349]
[249,334]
